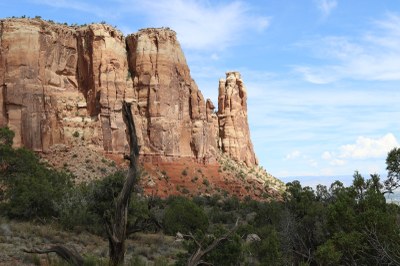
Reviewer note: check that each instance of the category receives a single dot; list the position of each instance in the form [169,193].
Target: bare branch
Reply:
[195,258]
[70,256]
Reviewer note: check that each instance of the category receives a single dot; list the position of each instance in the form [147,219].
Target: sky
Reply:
[322,76]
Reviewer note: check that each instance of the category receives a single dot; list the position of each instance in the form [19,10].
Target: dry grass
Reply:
[151,249]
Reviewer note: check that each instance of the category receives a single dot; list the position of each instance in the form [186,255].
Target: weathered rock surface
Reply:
[103,78]
[171,111]
[234,130]
[37,62]
[60,84]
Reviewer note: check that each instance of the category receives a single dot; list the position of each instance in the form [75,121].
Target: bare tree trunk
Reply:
[69,255]
[116,226]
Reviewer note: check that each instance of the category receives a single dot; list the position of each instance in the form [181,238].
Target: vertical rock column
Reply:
[105,81]
[234,131]
[171,111]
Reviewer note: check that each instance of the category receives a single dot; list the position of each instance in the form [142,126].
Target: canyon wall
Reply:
[65,85]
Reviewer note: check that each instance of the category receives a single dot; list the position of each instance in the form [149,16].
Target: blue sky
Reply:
[322,76]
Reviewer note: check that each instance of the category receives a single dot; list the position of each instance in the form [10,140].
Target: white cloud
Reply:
[214,56]
[313,163]
[316,76]
[202,26]
[327,155]
[326,6]
[365,148]
[293,155]
[375,55]
[337,162]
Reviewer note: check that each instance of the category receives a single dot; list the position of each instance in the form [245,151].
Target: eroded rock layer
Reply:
[60,84]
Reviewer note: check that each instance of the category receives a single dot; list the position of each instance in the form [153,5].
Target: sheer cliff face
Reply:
[37,61]
[103,78]
[171,110]
[61,84]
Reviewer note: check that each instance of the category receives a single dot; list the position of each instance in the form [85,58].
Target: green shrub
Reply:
[268,249]
[219,216]
[104,193]
[6,136]
[161,261]
[74,210]
[33,189]
[231,204]
[90,260]
[137,261]
[327,254]
[182,215]
[228,252]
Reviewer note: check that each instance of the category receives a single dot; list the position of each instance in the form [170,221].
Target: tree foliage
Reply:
[393,167]
[6,136]
[184,216]
[331,225]
[29,187]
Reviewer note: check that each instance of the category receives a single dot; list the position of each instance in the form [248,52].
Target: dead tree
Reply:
[116,225]
[69,255]
[195,258]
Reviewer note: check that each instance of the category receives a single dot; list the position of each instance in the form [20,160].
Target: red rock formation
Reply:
[37,62]
[61,92]
[103,78]
[232,116]
[171,110]
[60,83]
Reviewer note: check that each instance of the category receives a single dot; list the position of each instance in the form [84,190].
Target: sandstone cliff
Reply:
[171,110]
[65,85]
[58,80]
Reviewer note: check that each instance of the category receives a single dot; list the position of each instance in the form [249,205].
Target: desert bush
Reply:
[182,215]
[32,188]
[6,136]
[137,261]
[229,252]
[75,210]
[90,260]
[104,193]
[217,215]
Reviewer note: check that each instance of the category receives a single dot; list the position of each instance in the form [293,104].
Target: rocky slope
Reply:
[64,85]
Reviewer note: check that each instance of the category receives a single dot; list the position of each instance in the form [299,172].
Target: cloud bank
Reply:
[364,148]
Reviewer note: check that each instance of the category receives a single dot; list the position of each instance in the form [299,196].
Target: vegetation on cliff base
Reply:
[29,189]
[335,225]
